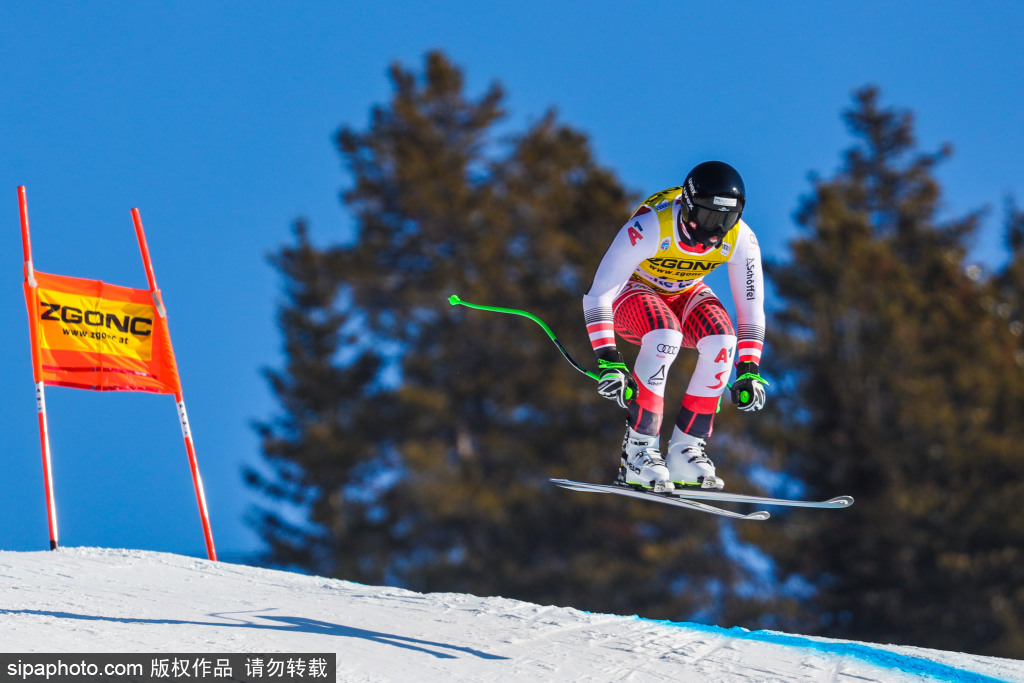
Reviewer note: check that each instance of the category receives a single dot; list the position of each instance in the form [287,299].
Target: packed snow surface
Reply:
[90,600]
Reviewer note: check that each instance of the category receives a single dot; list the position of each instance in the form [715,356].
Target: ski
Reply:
[667,499]
[722,496]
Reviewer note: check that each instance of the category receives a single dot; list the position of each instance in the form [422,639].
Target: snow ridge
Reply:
[89,600]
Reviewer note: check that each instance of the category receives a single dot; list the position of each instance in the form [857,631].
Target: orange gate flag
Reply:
[87,334]
[94,335]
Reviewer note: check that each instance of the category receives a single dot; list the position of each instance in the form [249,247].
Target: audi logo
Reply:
[665,348]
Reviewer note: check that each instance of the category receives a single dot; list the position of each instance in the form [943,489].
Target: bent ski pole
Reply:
[454,300]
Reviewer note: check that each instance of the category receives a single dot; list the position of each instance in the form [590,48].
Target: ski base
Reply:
[722,496]
[665,498]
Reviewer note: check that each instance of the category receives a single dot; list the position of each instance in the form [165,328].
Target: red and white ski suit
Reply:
[649,289]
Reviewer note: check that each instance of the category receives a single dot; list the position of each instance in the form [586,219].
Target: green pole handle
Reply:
[744,395]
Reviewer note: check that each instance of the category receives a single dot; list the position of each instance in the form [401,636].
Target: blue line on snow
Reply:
[918,666]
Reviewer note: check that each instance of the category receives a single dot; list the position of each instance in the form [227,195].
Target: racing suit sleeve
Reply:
[636,242]
[746,279]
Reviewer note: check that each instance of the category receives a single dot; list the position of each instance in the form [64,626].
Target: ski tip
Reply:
[841,501]
[569,484]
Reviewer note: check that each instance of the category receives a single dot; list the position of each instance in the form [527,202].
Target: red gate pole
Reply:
[179,398]
[37,368]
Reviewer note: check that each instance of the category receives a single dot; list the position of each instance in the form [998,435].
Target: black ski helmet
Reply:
[713,199]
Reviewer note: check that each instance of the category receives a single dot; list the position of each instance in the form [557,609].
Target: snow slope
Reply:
[87,600]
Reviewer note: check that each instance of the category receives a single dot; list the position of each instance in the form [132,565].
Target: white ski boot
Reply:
[642,464]
[688,465]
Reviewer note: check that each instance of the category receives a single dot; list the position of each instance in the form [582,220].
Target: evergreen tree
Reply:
[416,439]
[896,387]
[1000,565]
[315,465]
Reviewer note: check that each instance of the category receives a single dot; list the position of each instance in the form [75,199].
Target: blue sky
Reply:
[215,119]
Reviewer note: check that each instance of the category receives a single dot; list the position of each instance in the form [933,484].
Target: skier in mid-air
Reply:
[649,289]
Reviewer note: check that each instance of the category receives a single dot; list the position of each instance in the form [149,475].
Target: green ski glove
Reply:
[615,381]
[748,391]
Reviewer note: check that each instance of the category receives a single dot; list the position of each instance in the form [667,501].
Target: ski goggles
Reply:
[713,221]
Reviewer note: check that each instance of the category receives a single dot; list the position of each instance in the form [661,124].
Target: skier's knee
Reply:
[717,348]
[658,350]
[660,347]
